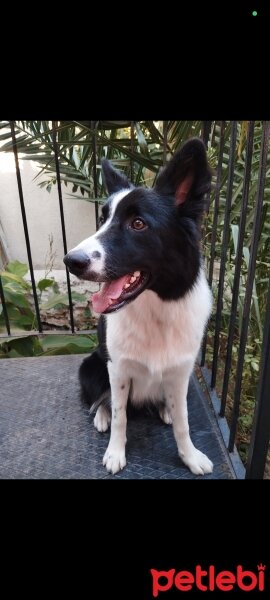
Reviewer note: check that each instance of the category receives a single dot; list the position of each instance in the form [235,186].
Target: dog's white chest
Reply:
[159,335]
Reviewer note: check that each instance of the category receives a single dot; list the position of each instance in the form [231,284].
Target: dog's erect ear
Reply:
[114,180]
[187,174]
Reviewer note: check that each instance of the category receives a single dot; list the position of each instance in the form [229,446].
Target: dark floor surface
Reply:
[47,433]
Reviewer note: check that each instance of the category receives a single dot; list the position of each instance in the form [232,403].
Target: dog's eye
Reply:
[138,224]
[101,220]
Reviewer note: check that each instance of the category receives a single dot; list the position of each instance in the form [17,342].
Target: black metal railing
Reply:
[222,207]
[25,226]
[261,422]
[59,188]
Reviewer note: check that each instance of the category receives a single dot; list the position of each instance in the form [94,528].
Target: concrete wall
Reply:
[43,216]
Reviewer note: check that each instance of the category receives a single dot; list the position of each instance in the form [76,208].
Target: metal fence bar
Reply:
[205,135]
[261,422]
[215,223]
[5,313]
[165,139]
[25,226]
[224,248]
[250,279]
[237,272]
[216,206]
[132,150]
[206,129]
[57,169]
[94,149]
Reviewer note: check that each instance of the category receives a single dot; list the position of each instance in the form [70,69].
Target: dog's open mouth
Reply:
[117,293]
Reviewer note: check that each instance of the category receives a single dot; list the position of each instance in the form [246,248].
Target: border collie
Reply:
[154,300]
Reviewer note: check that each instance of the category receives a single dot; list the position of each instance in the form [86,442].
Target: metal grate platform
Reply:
[47,433]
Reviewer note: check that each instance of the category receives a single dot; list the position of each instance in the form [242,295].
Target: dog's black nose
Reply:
[76,260]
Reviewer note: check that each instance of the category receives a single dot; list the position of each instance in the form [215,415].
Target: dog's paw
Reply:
[114,460]
[102,419]
[198,463]
[165,415]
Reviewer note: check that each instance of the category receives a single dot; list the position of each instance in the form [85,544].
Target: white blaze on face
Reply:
[92,246]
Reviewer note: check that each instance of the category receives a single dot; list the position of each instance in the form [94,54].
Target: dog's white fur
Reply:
[92,244]
[154,345]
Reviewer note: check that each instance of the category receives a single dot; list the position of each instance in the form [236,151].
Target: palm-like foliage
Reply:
[139,148]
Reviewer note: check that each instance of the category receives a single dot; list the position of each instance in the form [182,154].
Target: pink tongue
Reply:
[109,291]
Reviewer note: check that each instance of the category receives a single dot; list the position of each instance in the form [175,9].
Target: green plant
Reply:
[17,297]
[19,303]
[50,257]
[46,345]
[136,147]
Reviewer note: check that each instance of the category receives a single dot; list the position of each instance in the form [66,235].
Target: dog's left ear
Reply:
[114,180]
[187,175]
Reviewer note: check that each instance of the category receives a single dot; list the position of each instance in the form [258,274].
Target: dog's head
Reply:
[148,238]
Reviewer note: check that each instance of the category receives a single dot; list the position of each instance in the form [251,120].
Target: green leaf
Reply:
[22,346]
[17,299]
[43,284]
[14,354]
[50,345]
[20,141]
[62,300]
[79,297]
[254,295]
[55,300]
[26,321]
[77,343]
[57,351]
[12,277]
[235,234]
[20,318]
[17,267]
[141,139]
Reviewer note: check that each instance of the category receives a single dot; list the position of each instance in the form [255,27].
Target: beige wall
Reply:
[43,215]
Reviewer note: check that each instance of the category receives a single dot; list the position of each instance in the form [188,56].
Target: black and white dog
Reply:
[147,253]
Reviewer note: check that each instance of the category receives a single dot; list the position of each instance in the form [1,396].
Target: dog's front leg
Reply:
[115,458]
[175,388]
